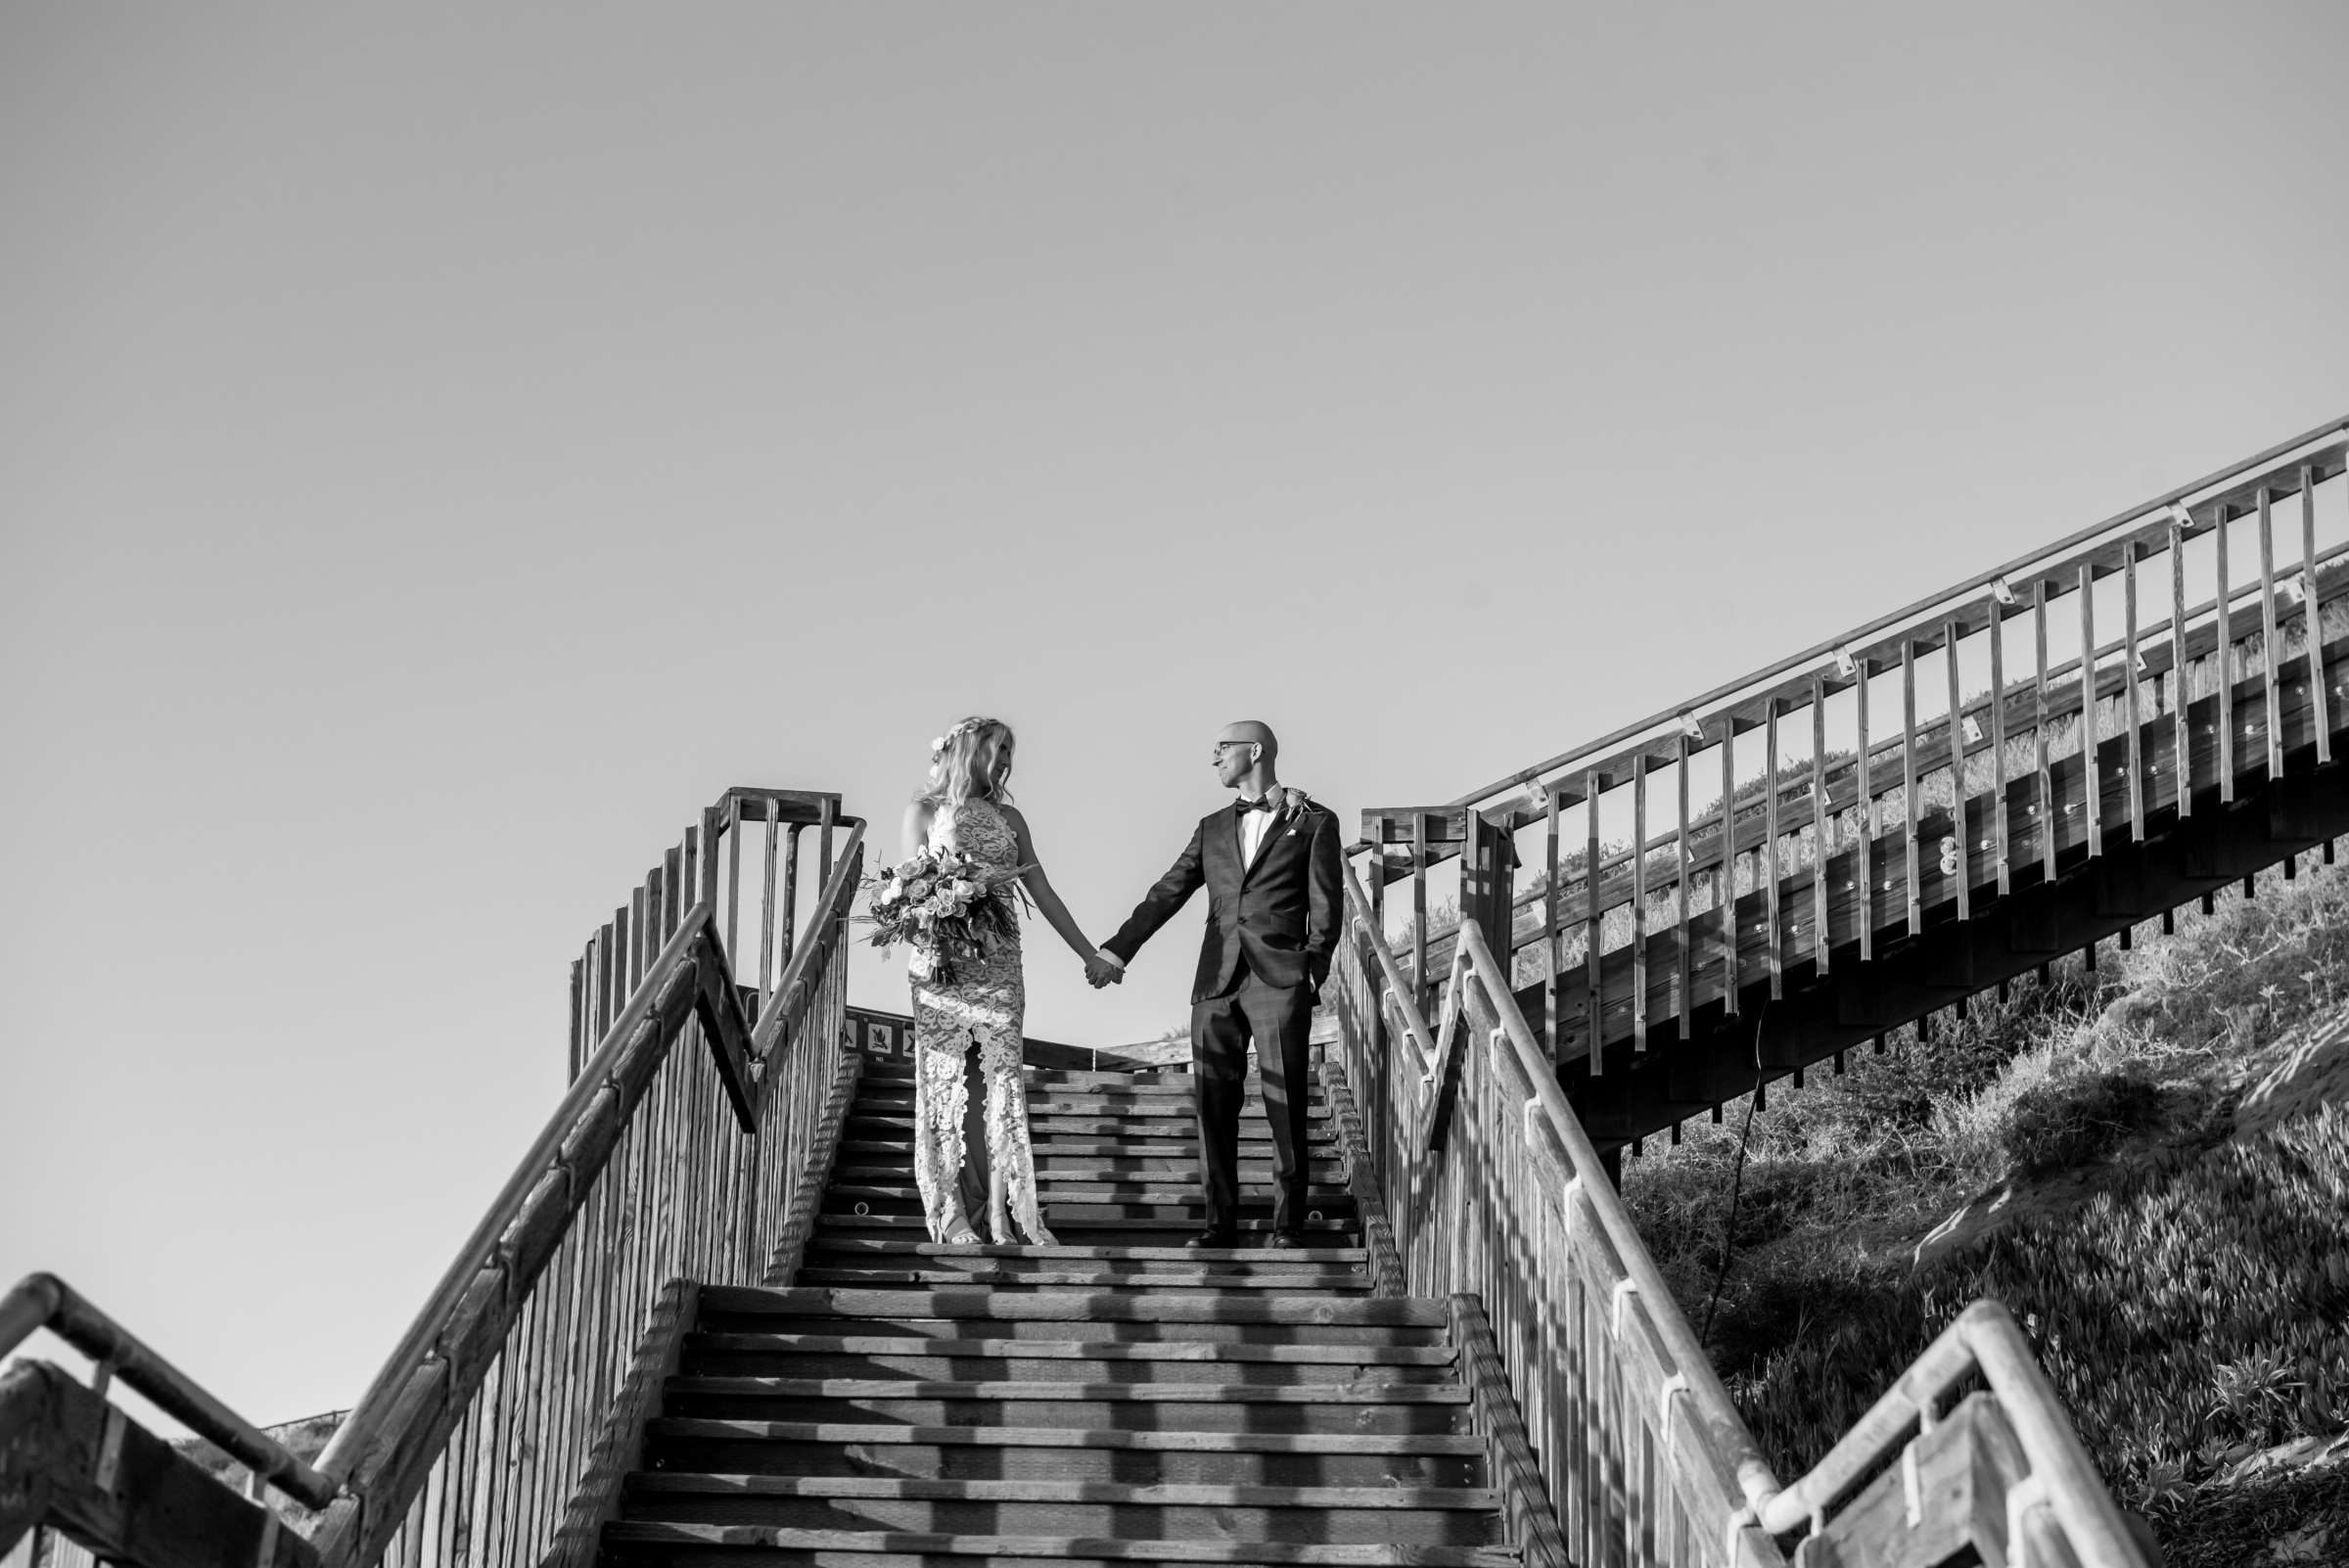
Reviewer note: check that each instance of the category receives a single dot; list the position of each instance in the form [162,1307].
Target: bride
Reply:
[970,1104]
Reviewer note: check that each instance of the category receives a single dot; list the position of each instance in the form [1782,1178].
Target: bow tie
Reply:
[1262,802]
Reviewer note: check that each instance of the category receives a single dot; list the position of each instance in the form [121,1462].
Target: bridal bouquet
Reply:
[941,904]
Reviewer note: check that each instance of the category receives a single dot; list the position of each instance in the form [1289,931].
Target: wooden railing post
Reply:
[1488,858]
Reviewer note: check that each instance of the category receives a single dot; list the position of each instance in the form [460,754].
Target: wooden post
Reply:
[2002,830]
[1724,886]
[2134,747]
[1912,819]
[2181,737]
[2039,735]
[1958,795]
[1823,836]
[2319,707]
[2092,807]
[1865,802]
[1638,902]
[2223,666]
[2269,640]
[1594,977]
[1771,916]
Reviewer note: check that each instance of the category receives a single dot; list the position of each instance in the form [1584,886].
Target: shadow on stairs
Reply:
[1113,1399]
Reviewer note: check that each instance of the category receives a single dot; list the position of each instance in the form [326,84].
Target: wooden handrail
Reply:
[1861,641]
[1716,1412]
[44,1301]
[372,1411]
[1983,1338]
[789,1002]
[650,1169]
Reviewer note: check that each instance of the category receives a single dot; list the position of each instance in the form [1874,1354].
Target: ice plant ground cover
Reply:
[2148,1164]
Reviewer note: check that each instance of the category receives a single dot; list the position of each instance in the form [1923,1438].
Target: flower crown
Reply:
[940,743]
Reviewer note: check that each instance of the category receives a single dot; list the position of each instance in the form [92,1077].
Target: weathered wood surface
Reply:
[75,1462]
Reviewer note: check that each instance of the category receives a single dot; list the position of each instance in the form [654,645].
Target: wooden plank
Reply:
[2087,705]
[1961,828]
[1549,926]
[2045,804]
[1593,783]
[2133,726]
[1864,772]
[2271,644]
[2183,742]
[787,916]
[2002,827]
[72,1460]
[766,914]
[2320,698]
[1639,903]
[733,877]
[2224,668]
[1685,972]
[1771,916]
[1822,825]
[1724,886]
[1912,816]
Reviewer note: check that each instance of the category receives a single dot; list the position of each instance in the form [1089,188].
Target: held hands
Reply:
[1100,971]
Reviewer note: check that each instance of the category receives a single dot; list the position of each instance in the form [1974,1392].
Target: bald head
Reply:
[1243,756]
[1249,732]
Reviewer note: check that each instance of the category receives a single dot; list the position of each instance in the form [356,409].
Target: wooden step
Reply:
[898,1149]
[885,1356]
[1182,1214]
[1137,1258]
[1339,1267]
[638,1543]
[1115,1406]
[1043,1453]
[1127,1331]
[862,1120]
[881,1275]
[1360,1515]
[894,1074]
[1175,1192]
[750,1302]
[1079,1103]
[1157,1233]
[1054,1169]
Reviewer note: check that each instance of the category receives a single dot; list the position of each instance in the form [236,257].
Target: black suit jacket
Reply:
[1282,910]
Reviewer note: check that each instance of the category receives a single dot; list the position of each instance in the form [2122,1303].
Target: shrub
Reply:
[2059,1122]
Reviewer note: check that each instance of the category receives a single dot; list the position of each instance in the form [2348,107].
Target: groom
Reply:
[1274,905]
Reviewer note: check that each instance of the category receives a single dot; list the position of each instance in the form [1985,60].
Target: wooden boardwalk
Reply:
[1980,839]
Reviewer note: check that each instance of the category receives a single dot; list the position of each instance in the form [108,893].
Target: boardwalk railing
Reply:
[1869,799]
[679,1153]
[1493,1188]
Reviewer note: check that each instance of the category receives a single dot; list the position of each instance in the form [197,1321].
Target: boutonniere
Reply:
[1292,810]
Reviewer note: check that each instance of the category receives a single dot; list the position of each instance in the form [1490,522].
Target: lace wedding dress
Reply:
[983,1009]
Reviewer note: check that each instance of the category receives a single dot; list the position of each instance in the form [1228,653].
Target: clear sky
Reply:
[441,450]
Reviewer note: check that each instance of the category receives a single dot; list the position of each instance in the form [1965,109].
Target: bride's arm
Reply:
[1040,888]
[917,830]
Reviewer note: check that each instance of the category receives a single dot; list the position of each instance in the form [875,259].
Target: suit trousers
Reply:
[1278,1019]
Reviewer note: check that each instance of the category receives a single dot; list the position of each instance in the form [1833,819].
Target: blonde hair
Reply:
[962,762]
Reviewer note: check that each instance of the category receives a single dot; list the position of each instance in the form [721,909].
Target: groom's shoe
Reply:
[1285,1238]
[1214,1238]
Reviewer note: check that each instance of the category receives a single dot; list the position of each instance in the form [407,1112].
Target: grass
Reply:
[2178,1260]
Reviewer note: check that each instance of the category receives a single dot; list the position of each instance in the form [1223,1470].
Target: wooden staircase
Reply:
[1115,1398]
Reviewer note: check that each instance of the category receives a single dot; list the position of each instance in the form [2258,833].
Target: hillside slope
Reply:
[2147,1163]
